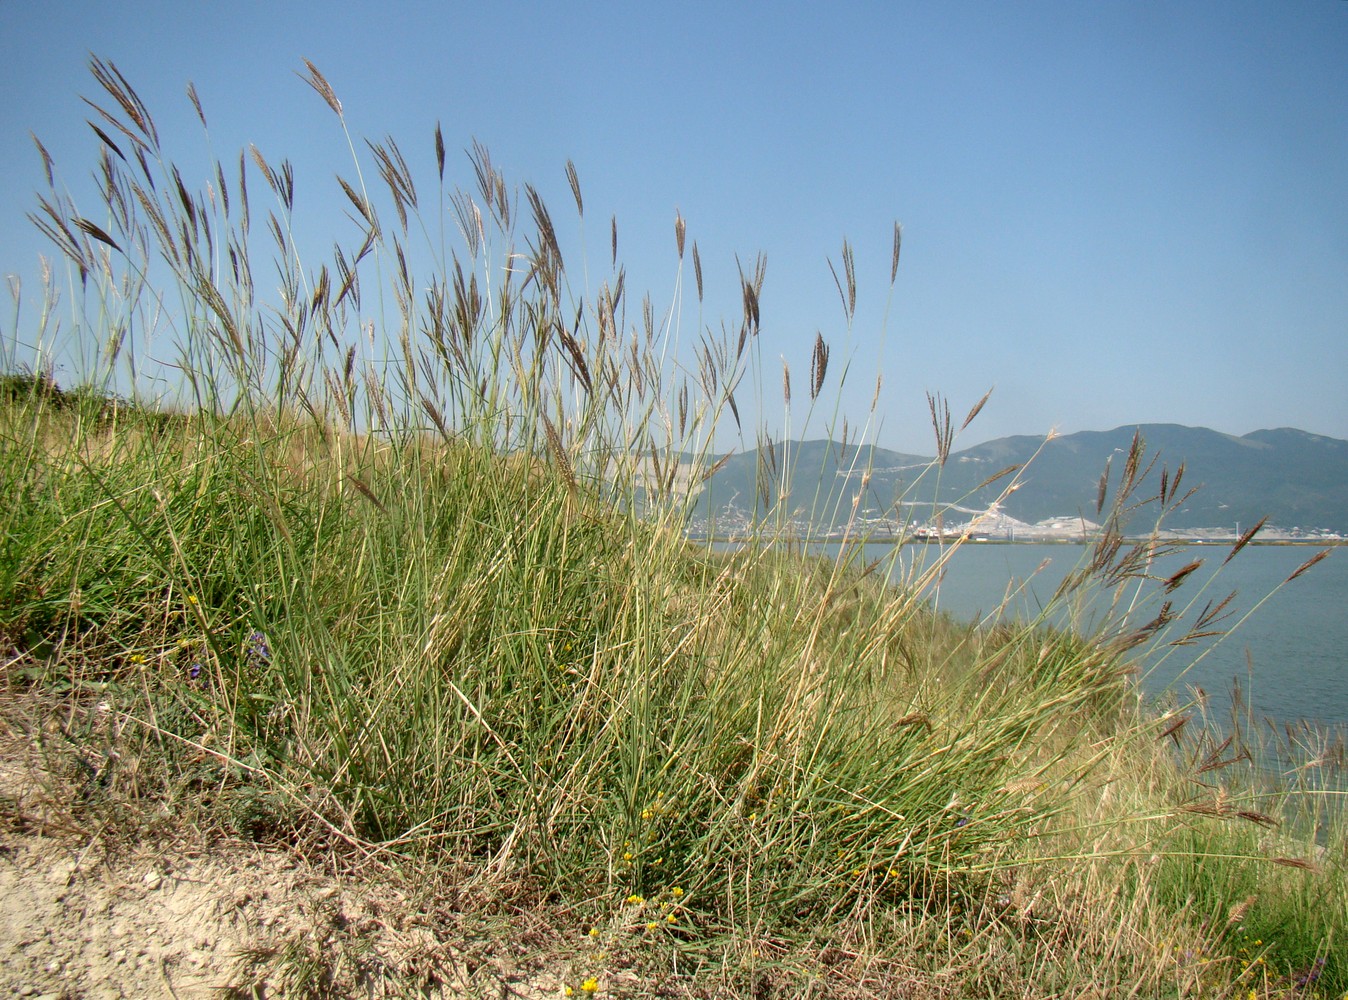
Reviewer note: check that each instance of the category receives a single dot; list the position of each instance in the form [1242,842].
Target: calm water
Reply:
[1290,656]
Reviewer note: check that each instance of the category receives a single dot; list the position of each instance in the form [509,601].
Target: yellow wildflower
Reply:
[590,985]
[634,899]
[676,892]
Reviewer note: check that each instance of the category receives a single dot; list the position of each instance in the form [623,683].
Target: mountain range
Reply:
[1296,479]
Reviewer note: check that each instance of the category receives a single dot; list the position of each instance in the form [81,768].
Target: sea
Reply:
[1283,654]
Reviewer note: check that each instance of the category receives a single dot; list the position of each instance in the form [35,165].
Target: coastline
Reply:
[1168,537]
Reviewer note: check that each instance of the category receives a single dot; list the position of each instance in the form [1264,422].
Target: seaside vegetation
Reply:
[399,574]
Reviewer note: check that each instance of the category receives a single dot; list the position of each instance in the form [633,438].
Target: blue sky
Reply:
[1113,213]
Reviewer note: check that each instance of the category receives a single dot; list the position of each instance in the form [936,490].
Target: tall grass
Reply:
[404,568]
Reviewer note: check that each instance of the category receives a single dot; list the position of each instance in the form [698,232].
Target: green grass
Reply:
[434,603]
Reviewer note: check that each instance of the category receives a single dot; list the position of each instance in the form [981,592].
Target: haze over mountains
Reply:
[1299,480]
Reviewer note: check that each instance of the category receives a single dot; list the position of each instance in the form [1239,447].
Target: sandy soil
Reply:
[85,912]
[240,921]
[149,925]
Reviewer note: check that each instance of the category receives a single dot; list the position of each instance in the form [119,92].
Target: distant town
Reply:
[821,489]
[733,523]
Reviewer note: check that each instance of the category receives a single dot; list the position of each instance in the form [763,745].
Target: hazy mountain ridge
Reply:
[1297,478]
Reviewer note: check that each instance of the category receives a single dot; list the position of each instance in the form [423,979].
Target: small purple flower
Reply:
[259,650]
[1311,975]
[194,671]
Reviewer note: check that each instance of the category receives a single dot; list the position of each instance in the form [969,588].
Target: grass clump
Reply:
[426,596]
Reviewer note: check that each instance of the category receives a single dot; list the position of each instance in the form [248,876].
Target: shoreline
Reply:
[811,539]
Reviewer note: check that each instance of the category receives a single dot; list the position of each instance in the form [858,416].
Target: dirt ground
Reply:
[242,921]
[90,912]
[238,920]
[148,925]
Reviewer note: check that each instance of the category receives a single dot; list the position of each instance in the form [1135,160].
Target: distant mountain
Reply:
[1297,479]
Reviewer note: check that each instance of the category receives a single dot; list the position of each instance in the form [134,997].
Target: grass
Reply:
[424,599]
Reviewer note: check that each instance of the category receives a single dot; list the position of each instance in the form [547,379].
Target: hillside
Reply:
[1295,478]
[377,676]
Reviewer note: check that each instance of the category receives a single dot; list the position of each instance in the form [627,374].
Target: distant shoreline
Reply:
[906,540]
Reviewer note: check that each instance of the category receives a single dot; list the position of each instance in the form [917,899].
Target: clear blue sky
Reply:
[1114,213]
